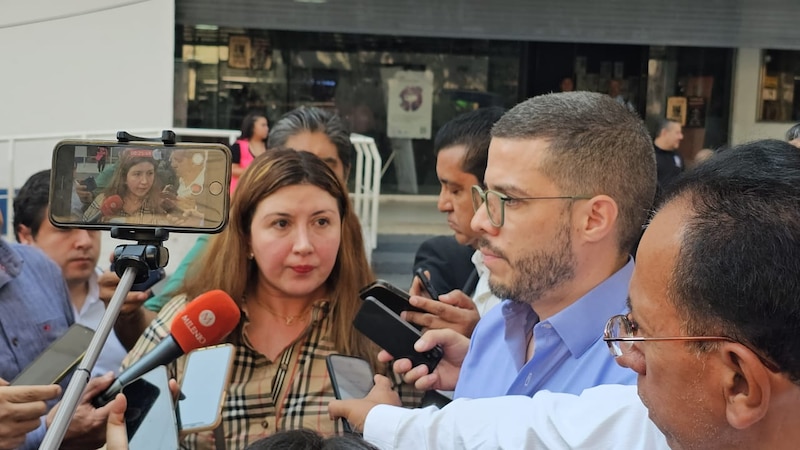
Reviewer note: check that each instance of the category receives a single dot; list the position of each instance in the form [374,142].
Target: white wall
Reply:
[83,65]
[744,126]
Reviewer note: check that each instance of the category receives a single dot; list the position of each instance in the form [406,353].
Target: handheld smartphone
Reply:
[150,417]
[393,334]
[145,185]
[426,283]
[153,277]
[204,387]
[58,360]
[351,377]
[393,297]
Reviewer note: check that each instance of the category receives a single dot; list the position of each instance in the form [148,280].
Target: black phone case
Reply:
[393,334]
[394,298]
[335,383]
[426,283]
[141,396]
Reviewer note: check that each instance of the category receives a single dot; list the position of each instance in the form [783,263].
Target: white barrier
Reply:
[366,197]
[27,154]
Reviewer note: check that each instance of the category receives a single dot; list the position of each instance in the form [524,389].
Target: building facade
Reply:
[726,69]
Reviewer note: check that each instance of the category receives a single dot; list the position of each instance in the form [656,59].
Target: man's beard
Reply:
[539,272]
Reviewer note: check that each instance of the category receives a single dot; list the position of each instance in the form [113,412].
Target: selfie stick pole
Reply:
[133,264]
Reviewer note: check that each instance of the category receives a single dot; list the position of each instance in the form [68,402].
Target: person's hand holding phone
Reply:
[88,425]
[20,410]
[445,376]
[355,410]
[116,435]
[454,310]
[84,192]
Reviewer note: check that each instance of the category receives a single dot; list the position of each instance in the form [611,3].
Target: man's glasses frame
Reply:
[481,196]
[617,347]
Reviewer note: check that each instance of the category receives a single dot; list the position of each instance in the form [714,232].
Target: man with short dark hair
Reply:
[712,333]
[461,147]
[669,163]
[76,252]
[569,181]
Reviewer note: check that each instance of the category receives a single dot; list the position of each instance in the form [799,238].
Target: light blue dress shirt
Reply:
[569,352]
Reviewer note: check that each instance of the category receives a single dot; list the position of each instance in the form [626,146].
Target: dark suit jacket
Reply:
[449,264]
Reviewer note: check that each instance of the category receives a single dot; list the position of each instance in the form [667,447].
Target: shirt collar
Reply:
[10,262]
[592,311]
[93,294]
[477,261]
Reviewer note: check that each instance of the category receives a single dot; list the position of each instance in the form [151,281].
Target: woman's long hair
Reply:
[225,265]
[248,124]
[118,184]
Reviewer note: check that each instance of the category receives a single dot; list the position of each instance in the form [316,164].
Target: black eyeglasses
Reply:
[619,337]
[496,202]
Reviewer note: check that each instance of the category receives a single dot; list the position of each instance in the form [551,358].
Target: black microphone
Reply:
[205,321]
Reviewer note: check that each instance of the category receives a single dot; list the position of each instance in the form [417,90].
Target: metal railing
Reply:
[367,167]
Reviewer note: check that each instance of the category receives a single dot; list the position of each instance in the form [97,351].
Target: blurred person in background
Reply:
[454,263]
[567,84]
[793,135]
[310,440]
[318,131]
[251,143]
[668,162]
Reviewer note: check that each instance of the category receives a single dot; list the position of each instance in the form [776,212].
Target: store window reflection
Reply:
[779,96]
[224,73]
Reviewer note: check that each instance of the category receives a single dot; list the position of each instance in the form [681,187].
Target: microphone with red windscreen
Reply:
[111,207]
[205,321]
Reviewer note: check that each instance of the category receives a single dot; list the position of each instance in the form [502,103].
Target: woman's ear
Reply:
[598,217]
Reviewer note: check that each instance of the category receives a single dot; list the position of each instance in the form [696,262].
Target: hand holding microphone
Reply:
[111,207]
[205,321]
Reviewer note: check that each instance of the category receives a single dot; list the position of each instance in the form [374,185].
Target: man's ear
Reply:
[598,217]
[746,385]
[25,235]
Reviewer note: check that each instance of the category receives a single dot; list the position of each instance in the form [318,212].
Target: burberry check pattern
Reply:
[266,396]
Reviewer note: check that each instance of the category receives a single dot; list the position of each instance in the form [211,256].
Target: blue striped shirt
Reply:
[34,311]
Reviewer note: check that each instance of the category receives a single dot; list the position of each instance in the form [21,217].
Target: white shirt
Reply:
[482,297]
[185,190]
[604,417]
[91,313]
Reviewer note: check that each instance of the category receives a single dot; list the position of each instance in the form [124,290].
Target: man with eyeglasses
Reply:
[712,333]
[570,178]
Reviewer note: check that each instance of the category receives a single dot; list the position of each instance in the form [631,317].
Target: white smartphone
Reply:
[150,416]
[204,387]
